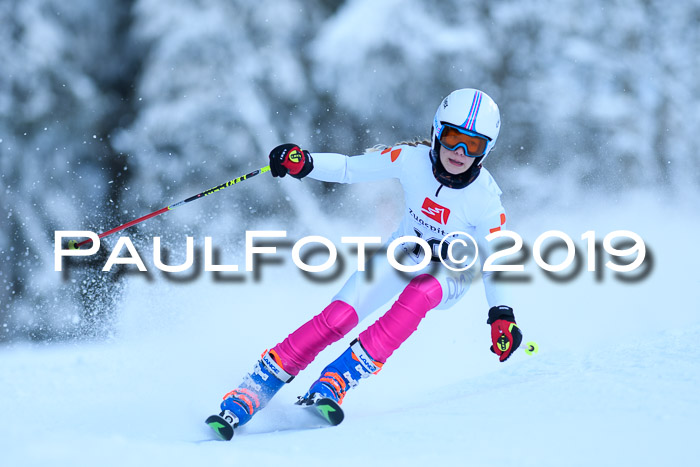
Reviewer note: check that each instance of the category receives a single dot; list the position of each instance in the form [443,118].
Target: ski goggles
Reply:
[453,137]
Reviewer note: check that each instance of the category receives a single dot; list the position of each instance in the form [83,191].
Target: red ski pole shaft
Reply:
[176,205]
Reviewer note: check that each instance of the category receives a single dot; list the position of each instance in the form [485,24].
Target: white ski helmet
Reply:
[473,113]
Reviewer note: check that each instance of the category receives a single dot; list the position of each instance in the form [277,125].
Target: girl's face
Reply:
[455,162]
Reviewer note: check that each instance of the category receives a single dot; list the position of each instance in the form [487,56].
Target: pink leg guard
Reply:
[380,340]
[301,347]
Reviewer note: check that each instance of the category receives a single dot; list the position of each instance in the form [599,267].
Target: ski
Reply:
[223,424]
[326,408]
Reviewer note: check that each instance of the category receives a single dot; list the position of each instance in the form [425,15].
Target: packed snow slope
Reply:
[615,381]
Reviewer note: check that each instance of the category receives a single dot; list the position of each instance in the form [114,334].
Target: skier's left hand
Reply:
[505,334]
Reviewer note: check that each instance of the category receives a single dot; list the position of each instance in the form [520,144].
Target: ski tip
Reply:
[330,411]
[220,426]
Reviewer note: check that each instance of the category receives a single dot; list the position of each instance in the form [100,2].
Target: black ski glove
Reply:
[290,158]
[505,334]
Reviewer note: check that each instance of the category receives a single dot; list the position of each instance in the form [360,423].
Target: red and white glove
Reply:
[290,158]
[505,334]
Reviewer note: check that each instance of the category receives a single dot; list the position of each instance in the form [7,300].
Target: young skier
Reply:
[445,190]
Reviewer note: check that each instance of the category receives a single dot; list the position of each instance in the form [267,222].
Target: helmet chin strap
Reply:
[451,180]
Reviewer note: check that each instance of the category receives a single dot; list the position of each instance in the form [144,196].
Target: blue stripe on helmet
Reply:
[470,125]
[471,111]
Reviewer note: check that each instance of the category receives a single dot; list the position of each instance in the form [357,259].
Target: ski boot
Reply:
[327,393]
[256,390]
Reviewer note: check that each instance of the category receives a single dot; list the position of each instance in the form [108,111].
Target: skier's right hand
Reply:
[290,158]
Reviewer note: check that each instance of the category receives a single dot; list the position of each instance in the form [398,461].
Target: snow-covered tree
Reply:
[64,83]
[110,110]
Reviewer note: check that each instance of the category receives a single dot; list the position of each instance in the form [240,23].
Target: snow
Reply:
[614,383]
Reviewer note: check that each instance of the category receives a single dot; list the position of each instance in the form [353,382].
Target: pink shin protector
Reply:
[422,294]
[301,347]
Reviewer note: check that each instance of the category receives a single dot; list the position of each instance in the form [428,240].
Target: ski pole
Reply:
[531,348]
[72,245]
